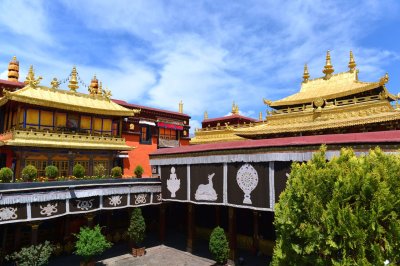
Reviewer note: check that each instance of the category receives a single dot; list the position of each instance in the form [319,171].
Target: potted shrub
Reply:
[90,243]
[29,173]
[6,175]
[139,171]
[136,232]
[78,171]
[116,172]
[99,171]
[51,172]
[219,246]
[33,255]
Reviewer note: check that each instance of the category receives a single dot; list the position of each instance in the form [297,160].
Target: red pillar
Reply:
[232,232]
[190,233]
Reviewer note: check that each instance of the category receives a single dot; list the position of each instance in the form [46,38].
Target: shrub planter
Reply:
[138,252]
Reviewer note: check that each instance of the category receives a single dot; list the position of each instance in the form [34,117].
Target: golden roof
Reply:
[335,117]
[339,85]
[66,100]
[62,140]
[214,135]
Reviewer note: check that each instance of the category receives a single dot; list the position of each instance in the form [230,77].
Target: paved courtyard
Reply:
[159,255]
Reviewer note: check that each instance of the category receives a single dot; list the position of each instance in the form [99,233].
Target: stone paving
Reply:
[159,255]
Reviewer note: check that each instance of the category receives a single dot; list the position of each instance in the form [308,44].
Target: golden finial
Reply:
[205,115]
[260,116]
[73,80]
[54,83]
[181,107]
[306,75]
[13,70]
[328,69]
[384,79]
[94,86]
[107,94]
[267,102]
[30,78]
[352,62]
[235,109]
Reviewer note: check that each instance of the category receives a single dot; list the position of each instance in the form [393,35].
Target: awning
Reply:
[170,126]
[123,154]
[147,123]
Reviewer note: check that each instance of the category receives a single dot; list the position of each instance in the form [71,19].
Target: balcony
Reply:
[63,139]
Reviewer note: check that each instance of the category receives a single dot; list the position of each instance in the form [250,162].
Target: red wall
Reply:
[139,155]
[9,154]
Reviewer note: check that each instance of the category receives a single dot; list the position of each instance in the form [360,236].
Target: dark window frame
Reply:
[148,138]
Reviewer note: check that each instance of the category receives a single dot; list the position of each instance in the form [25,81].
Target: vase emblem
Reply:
[173,183]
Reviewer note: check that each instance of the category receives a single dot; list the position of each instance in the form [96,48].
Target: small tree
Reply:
[99,170]
[6,175]
[340,212]
[91,242]
[139,171]
[78,171]
[51,171]
[219,246]
[116,172]
[137,227]
[33,255]
[29,173]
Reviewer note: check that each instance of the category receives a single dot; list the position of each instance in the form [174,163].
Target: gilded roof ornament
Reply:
[235,109]
[181,107]
[306,75]
[94,86]
[54,83]
[260,116]
[13,70]
[267,102]
[384,79]
[73,80]
[30,78]
[328,68]
[352,62]
[107,94]
[205,115]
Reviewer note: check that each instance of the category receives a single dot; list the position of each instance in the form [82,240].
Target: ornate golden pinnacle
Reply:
[306,75]
[352,62]
[30,78]
[13,70]
[235,109]
[54,83]
[260,116]
[328,68]
[73,80]
[205,115]
[181,107]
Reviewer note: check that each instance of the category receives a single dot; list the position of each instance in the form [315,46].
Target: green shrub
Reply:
[6,175]
[219,246]
[137,227]
[116,171]
[91,242]
[78,171]
[29,173]
[51,171]
[99,170]
[340,212]
[33,255]
[139,171]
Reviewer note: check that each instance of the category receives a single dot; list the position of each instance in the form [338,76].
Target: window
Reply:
[169,134]
[40,165]
[62,167]
[145,134]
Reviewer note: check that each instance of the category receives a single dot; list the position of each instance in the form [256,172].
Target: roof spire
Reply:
[306,75]
[352,62]
[73,80]
[235,108]
[328,68]
[260,116]
[13,70]
[181,107]
[94,86]
[205,115]
[30,78]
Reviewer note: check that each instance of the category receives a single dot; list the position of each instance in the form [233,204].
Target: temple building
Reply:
[334,103]
[222,128]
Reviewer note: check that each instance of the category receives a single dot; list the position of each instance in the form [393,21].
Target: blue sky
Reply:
[206,53]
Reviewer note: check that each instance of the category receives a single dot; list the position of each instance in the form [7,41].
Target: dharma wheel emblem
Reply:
[247,179]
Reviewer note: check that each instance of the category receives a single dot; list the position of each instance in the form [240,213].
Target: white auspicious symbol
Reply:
[140,199]
[247,179]
[85,205]
[173,183]
[49,209]
[8,213]
[206,191]
[115,200]
[159,198]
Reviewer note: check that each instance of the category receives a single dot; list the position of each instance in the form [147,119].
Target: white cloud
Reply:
[3,75]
